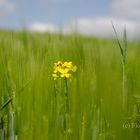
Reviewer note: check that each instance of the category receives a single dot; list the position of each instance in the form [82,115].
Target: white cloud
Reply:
[6,6]
[100,27]
[43,27]
[128,8]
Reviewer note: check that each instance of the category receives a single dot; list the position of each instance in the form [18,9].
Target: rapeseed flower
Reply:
[63,69]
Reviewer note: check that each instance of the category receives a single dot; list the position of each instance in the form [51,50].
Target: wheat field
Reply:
[33,103]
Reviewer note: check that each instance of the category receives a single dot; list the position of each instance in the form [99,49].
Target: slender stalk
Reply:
[67,111]
[66,96]
[11,115]
[83,127]
[55,93]
[3,129]
[123,55]
[125,96]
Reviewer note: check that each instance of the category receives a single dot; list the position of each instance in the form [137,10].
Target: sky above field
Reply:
[91,17]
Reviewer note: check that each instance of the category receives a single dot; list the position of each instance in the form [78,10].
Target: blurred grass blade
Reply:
[11,125]
[120,46]
[125,96]
[124,44]
[6,103]
[24,86]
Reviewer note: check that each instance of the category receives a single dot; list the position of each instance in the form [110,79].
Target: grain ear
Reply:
[123,54]
[118,41]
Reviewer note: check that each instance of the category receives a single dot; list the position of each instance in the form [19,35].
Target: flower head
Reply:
[63,69]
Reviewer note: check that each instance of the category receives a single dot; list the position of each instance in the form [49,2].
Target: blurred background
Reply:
[89,17]
[104,93]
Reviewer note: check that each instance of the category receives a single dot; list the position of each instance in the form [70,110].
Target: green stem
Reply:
[67,111]
[55,93]
[125,97]
[67,96]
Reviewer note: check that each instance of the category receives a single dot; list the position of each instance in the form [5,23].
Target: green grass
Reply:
[95,92]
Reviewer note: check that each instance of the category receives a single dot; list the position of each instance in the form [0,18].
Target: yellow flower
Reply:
[67,75]
[67,64]
[55,70]
[66,70]
[59,63]
[54,76]
[64,73]
[74,68]
[63,69]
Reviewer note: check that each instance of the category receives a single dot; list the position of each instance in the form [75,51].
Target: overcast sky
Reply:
[88,16]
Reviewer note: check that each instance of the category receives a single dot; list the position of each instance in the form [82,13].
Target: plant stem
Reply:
[66,96]
[125,98]
[67,111]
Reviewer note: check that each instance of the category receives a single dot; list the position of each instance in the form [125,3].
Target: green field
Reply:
[33,104]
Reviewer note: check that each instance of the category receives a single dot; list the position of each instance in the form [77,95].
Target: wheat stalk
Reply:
[123,55]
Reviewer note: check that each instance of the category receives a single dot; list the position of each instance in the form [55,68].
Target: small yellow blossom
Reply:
[54,76]
[64,73]
[66,70]
[67,64]
[63,69]
[74,68]
[59,63]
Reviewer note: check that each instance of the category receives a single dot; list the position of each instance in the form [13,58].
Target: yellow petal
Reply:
[62,75]
[54,75]
[67,75]
[61,70]
[66,70]
[55,71]
[74,68]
